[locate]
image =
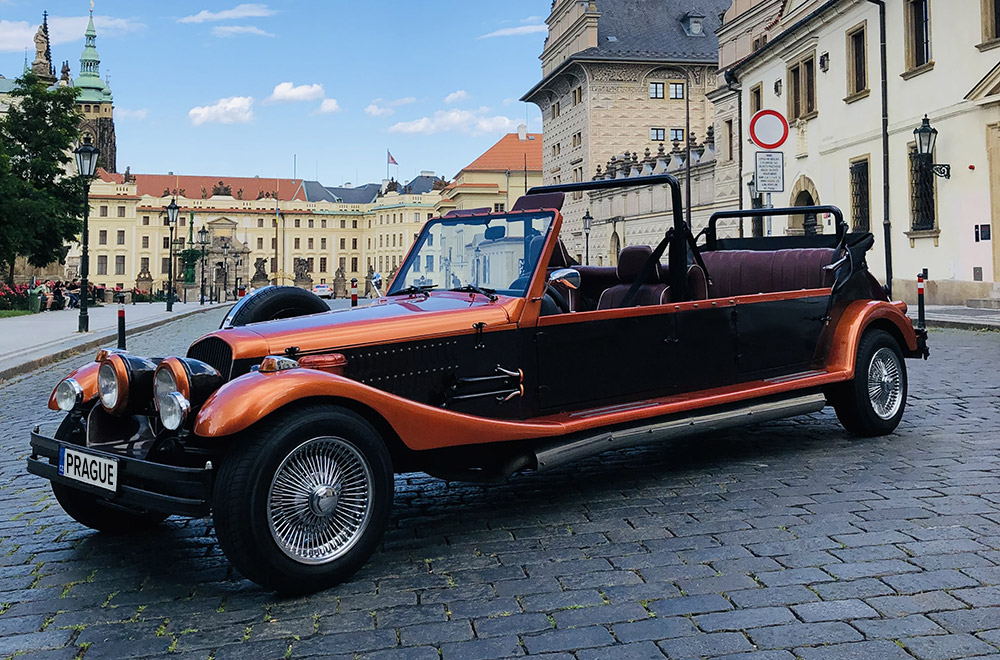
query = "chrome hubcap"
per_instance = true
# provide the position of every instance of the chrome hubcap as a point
(885, 383)
(320, 501)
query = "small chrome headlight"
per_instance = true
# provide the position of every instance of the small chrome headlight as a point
(164, 384)
(68, 395)
(107, 386)
(174, 409)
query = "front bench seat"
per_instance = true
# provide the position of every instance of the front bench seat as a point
(631, 261)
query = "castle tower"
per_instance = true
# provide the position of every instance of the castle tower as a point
(95, 101)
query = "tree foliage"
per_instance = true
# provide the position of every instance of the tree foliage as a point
(42, 198)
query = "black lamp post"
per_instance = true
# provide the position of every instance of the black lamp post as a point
(588, 221)
(926, 137)
(225, 270)
(172, 211)
(86, 166)
(202, 242)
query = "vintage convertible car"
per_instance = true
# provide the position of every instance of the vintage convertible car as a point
(491, 352)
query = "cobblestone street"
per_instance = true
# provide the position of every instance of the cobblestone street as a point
(788, 539)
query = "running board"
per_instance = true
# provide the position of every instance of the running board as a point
(557, 453)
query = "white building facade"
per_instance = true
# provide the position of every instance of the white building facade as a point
(821, 69)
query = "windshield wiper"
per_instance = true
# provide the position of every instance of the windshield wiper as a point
(472, 288)
(423, 288)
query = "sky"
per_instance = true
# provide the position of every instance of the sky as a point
(317, 88)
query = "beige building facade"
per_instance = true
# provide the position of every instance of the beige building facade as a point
(821, 69)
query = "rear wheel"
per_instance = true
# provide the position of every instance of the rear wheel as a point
(305, 499)
(872, 403)
(95, 512)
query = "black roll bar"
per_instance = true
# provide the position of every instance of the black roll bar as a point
(710, 233)
(678, 245)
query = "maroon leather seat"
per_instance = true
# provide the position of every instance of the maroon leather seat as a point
(748, 272)
(652, 291)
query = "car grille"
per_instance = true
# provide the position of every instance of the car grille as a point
(215, 352)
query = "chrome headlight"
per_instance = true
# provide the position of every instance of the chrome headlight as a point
(193, 379)
(164, 384)
(174, 409)
(125, 384)
(109, 387)
(68, 395)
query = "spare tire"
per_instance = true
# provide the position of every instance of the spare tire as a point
(274, 302)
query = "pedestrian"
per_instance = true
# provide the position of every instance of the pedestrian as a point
(73, 293)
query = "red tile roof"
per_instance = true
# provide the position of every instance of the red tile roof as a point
(159, 185)
(509, 154)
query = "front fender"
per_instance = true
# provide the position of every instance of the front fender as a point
(86, 376)
(246, 400)
(857, 318)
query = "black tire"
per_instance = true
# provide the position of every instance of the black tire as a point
(274, 302)
(96, 513)
(866, 414)
(242, 504)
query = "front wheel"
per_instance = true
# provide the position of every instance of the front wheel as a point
(304, 501)
(872, 403)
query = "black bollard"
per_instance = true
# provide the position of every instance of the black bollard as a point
(921, 321)
(121, 327)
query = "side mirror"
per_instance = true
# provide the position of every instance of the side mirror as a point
(377, 284)
(568, 277)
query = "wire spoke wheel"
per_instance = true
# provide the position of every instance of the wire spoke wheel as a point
(885, 383)
(320, 500)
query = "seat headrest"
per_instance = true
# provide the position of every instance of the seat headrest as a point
(539, 201)
(631, 261)
(535, 248)
(560, 256)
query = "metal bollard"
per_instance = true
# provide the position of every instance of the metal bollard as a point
(354, 292)
(921, 321)
(121, 326)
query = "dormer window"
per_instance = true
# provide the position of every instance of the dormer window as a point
(693, 24)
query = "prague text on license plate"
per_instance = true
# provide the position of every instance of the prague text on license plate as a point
(89, 469)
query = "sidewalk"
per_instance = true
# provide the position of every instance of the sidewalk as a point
(28, 342)
(965, 318)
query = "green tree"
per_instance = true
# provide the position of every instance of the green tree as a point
(43, 199)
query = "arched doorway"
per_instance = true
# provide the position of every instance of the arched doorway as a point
(804, 193)
(807, 220)
(614, 249)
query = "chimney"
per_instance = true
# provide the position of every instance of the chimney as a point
(522, 132)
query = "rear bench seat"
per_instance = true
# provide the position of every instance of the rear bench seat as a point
(748, 272)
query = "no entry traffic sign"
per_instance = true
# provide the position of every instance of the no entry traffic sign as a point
(768, 129)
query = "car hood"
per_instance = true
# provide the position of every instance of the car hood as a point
(386, 320)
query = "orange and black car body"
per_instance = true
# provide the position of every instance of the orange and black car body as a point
(474, 380)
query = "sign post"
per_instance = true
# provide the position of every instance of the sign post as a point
(769, 130)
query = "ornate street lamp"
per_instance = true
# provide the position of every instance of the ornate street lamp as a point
(225, 270)
(86, 166)
(172, 211)
(926, 137)
(588, 220)
(203, 243)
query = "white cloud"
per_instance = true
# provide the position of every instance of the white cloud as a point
(516, 31)
(249, 10)
(230, 110)
(375, 110)
(532, 19)
(477, 122)
(382, 108)
(125, 113)
(15, 36)
(288, 91)
(225, 31)
(454, 97)
(329, 106)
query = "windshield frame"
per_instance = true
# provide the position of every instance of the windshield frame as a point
(471, 220)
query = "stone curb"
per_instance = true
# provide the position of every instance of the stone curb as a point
(962, 325)
(96, 342)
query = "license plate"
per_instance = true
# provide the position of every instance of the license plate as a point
(89, 469)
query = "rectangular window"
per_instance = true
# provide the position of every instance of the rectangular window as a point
(343, 262)
(857, 60)
(120, 264)
(354, 224)
(298, 223)
(144, 265)
(102, 237)
(756, 99)
(429, 262)
(577, 95)
(991, 20)
(343, 244)
(121, 211)
(676, 90)
(354, 264)
(166, 242)
(322, 264)
(260, 243)
(260, 222)
(860, 196)
(556, 149)
(354, 244)
(802, 88)
(343, 224)
(309, 243)
(922, 215)
(729, 139)
(104, 211)
(555, 110)
(164, 265)
(310, 223)
(578, 139)
(310, 263)
(274, 243)
(298, 243)
(274, 265)
(322, 244)
(121, 237)
(145, 220)
(145, 242)
(658, 134)
(656, 90)
(498, 207)
(676, 134)
(102, 264)
(759, 42)
(322, 223)
(918, 33)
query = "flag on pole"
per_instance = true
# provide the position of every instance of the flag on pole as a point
(390, 160)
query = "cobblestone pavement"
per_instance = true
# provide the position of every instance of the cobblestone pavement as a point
(784, 540)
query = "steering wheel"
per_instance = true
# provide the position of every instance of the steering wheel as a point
(558, 299)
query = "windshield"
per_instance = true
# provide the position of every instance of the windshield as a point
(496, 254)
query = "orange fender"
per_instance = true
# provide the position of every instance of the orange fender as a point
(86, 376)
(858, 316)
